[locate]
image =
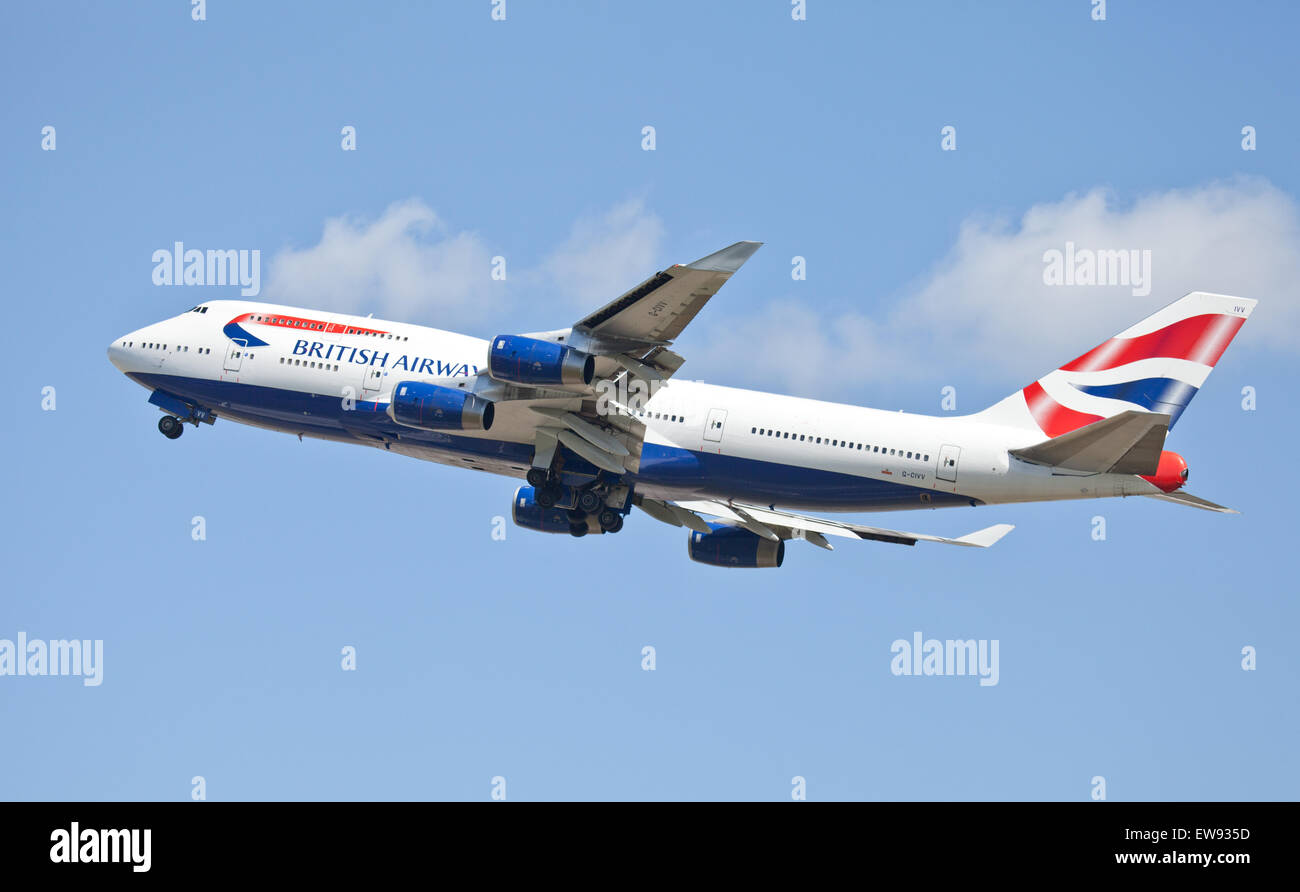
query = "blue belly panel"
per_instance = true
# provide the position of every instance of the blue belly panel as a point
(691, 473)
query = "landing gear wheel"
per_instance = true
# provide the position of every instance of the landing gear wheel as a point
(536, 477)
(588, 502)
(548, 495)
(578, 530)
(576, 517)
(610, 521)
(171, 427)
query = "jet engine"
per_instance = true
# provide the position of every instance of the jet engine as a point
(732, 546)
(434, 408)
(532, 516)
(521, 360)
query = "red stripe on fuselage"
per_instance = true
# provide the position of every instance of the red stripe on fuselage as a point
(1052, 418)
(302, 323)
(1198, 339)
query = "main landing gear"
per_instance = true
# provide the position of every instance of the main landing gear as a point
(584, 505)
(171, 427)
(589, 505)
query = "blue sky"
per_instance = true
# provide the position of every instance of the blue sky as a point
(522, 658)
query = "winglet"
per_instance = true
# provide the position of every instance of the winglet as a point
(729, 259)
(987, 536)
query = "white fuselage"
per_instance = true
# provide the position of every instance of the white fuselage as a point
(331, 375)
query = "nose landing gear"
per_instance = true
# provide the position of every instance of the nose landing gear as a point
(171, 427)
(176, 412)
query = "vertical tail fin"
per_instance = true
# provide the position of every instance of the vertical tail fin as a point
(1156, 365)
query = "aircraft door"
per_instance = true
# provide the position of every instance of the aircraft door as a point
(714, 425)
(235, 355)
(370, 383)
(948, 457)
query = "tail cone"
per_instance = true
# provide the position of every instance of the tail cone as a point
(1170, 474)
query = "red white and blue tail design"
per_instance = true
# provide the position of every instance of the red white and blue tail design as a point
(1157, 365)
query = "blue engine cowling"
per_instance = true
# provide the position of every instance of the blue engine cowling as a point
(523, 360)
(435, 408)
(532, 516)
(729, 546)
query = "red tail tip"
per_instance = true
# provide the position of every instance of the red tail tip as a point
(1170, 474)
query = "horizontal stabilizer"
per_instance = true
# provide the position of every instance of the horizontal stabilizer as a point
(798, 526)
(1186, 498)
(1127, 443)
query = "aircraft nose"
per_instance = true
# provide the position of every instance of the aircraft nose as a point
(117, 353)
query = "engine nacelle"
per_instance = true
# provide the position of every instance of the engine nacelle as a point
(731, 546)
(532, 516)
(435, 408)
(521, 360)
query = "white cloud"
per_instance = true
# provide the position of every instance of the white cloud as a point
(605, 255)
(404, 265)
(984, 305)
(407, 264)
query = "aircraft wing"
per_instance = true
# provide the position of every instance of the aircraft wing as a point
(777, 525)
(628, 339)
(633, 332)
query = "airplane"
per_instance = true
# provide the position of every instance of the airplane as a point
(590, 417)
